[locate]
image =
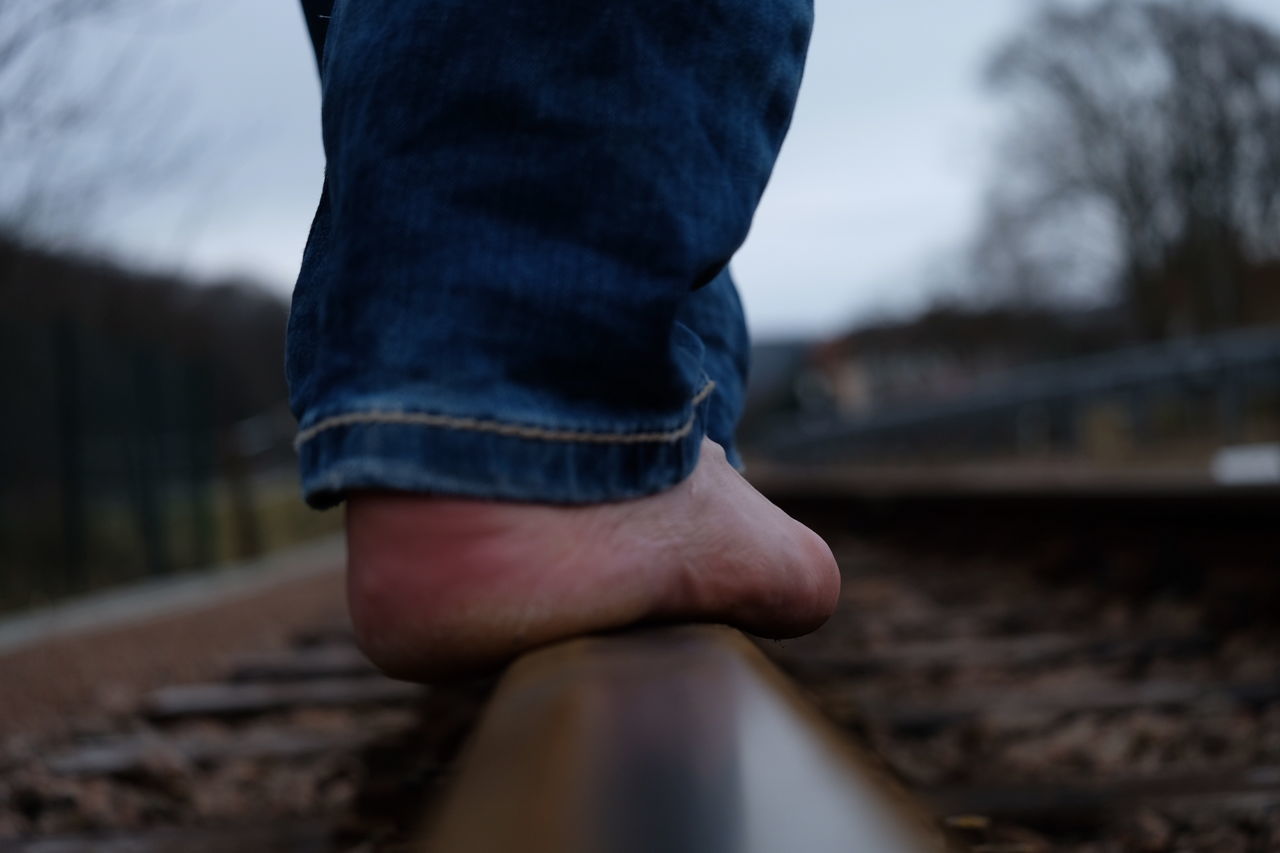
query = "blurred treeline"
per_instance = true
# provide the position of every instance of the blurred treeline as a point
(1134, 191)
(1132, 208)
(145, 424)
(1140, 166)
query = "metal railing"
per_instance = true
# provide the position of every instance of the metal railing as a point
(1043, 405)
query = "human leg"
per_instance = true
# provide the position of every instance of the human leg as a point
(499, 317)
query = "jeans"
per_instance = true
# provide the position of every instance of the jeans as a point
(516, 285)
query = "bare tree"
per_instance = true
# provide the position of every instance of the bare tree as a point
(1146, 154)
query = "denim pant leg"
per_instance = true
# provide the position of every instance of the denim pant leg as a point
(714, 314)
(514, 287)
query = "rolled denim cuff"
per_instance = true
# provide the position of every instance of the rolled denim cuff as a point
(493, 460)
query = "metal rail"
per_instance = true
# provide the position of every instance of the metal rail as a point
(670, 739)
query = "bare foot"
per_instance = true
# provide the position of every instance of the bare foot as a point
(443, 585)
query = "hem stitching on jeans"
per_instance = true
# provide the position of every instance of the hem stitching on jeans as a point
(376, 418)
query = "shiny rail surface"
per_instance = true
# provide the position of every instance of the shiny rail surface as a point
(668, 739)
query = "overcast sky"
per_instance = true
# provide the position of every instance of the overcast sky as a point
(879, 181)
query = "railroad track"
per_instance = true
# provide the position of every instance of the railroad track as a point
(1039, 671)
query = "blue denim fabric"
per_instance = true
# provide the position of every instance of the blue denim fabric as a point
(516, 283)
